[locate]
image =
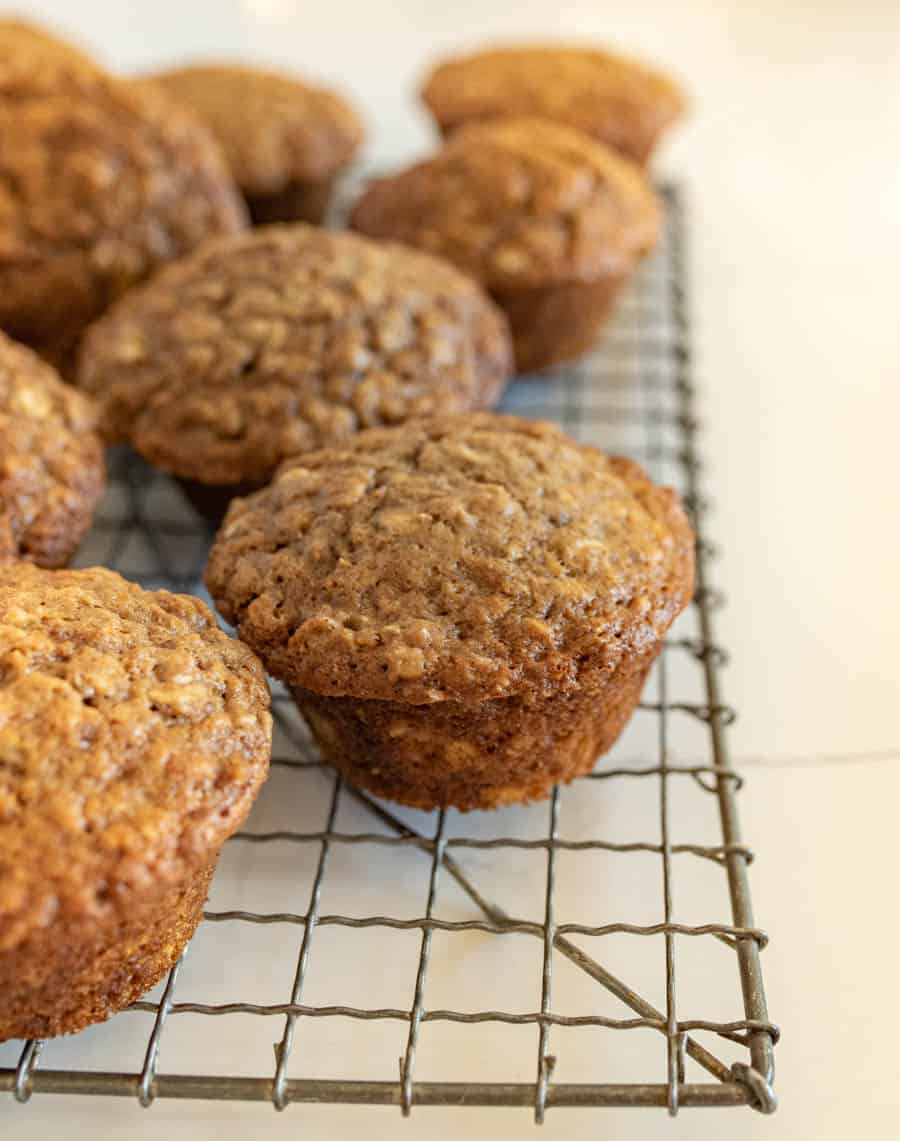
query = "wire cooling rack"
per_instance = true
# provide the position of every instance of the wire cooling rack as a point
(566, 911)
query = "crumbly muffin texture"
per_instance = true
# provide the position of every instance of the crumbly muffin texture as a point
(519, 203)
(51, 461)
(282, 340)
(462, 558)
(273, 128)
(135, 735)
(617, 100)
(99, 184)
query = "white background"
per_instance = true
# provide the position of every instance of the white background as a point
(791, 162)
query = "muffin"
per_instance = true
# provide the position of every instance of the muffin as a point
(465, 608)
(136, 735)
(99, 184)
(284, 141)
(51, 461)
(16, 35)
(616, 100)
(551, 223)
(283, 340)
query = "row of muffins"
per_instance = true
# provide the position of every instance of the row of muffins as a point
(538, 193)
(464, 605)
(465, 610)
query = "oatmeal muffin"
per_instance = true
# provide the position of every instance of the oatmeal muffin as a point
(616, 100)
(280, 341)
(465, 608)
(135, 737)
(51, 461)
(285, 141)
(99, 184)
(551, 223)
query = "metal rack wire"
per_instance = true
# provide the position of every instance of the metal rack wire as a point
(635, 393)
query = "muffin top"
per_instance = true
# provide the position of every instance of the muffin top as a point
(99, 183)
(518, 203)
(51, 462)
(16, 35)
(284, 339)
(619, 101)
(459, 558)
(135, 735)
(274, 129)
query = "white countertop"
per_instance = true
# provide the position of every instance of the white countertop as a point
(790, 163)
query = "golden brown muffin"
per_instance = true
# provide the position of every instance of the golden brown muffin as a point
(99, 184)
(284, 141)
(135, 736)
(17, 35)
(616, 100)
(51, 460)
(282, 340)
(551, 223)
(465, 608)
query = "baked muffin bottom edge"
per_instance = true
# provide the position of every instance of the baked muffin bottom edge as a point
(474, 756)
(71, 974)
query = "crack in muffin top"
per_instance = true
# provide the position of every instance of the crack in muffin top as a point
(99, 183)
(134, 735)
(518, 203)
(51, 461)
(286, 339)
(273, 128)
(461, 558)
(618, 100)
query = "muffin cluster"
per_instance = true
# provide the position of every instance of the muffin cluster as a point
(539, 191)
(464, 605)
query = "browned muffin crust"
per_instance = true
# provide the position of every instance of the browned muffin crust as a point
(518, 203)
(282, 340)
(51, 460)
(135, 737)
(617, 100)
(476, 755)
(99, 184)
(94, 969)
(465, 609)
(274, 129)
(17, 35)
(462, 558)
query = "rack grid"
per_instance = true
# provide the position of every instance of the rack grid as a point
(634, 394)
